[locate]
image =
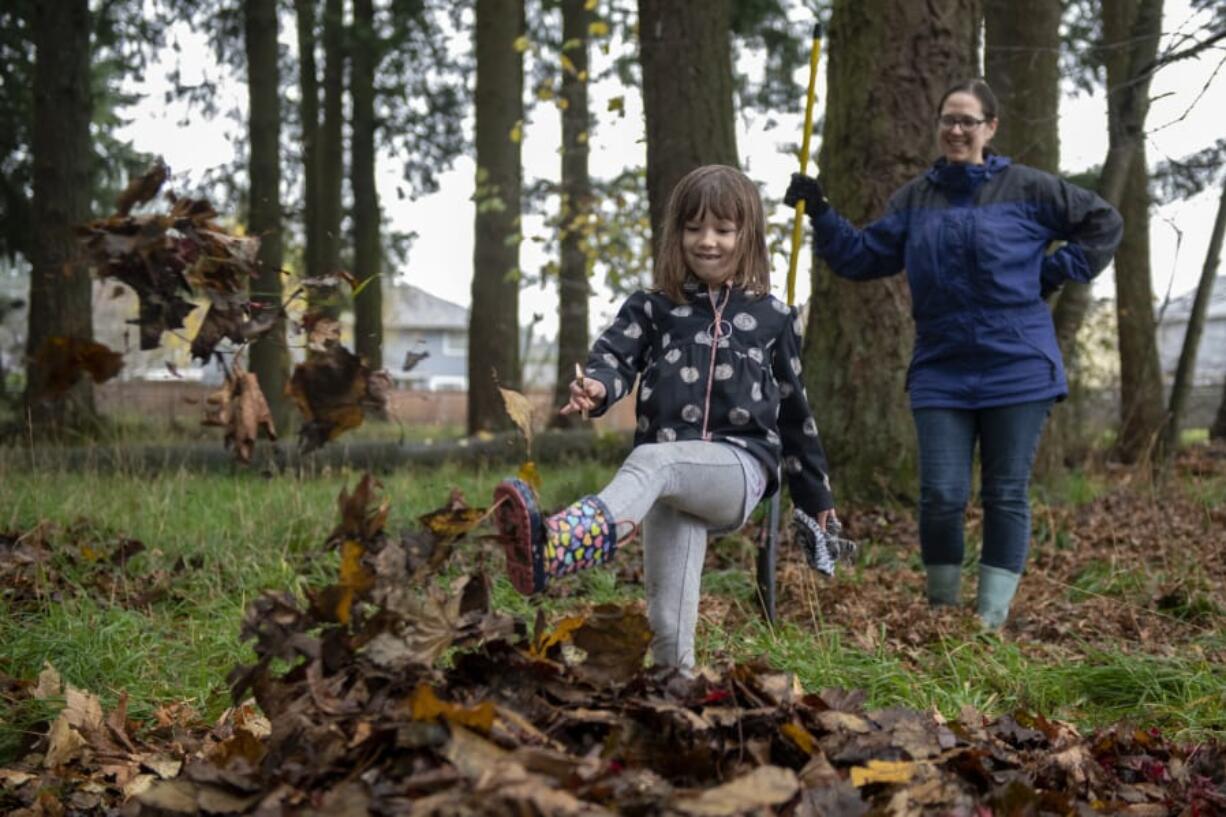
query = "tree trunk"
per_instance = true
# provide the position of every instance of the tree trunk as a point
(1142, 413)
(1217, 431)
(269, 354)
(60, 295)
(1022, 64)
(308, 81)
(493, 330)
(1185, 371)
(576, 208)
(686, 58)
(331, 147)
(368, 302)
(890, 60)
(1127, 107)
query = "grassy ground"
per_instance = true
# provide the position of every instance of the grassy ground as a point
(1120, 617)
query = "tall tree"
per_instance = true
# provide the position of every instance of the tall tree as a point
(1142, 413)
(493, 335)
(1022, 64)
(1127, 107)
(1186, 368)
(331, 143)
(1217, 431)
(367, 252)
(879, 133)
(686, 59)
(576, 204)
(270, 353)
(306, 13)
(60, 296)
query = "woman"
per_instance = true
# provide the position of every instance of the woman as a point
(973, 233)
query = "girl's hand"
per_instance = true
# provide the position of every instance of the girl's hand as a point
(825, 517)
(586, 394)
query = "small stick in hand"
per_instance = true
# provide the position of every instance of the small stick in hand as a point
(582, 386)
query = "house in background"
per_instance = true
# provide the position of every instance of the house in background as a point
(1211, 354)
(417, 323)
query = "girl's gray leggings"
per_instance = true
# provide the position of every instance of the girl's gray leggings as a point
(679, 491)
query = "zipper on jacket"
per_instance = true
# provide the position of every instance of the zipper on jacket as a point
(715, 335)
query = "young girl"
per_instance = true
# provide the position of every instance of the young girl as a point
(721, 407)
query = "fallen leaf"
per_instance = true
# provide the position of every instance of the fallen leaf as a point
(882, 771)
(762, 788)
(426, 705)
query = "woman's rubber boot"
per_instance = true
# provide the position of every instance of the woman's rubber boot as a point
(944, 585)
(996, 589)
(537, 549)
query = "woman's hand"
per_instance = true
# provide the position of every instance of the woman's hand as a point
(809, 190)
(586, 394)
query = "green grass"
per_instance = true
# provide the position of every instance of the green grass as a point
(244, 534)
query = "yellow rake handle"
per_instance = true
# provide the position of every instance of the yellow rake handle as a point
(798, 222)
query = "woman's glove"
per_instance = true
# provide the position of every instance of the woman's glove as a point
(823, 549)
(809, 190)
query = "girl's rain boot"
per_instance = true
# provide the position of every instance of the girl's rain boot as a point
(996, 589)
(944, 585)
(537, 549)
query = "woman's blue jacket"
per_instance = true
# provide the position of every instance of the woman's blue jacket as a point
(976, 243)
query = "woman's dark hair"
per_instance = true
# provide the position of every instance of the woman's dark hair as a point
(977, 88)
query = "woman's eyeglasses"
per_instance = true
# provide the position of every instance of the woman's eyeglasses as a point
(950, 121)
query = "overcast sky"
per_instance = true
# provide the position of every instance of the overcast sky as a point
(441, 258)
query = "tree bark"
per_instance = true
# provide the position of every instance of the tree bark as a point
(686, 58)
(60, 294)
(1127, 107)
(368, 302)
(308, 81)
(576, 208)
(331, 146)
(493, 334)
(1217, 431)
(1022, 64)
(890, 60)
(1142, 413)
(1185, 371)
(269, 354)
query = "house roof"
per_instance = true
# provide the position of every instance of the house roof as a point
(410, 307)
(1179, 309)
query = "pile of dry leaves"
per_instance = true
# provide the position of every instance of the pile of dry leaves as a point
(385, 693)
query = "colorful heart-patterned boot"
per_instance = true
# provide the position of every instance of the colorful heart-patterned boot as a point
(580, 536)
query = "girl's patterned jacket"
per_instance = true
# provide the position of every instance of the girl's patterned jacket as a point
(722, 366)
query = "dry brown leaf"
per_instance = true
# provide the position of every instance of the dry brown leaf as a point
(143, 188)
(63, 360)
(426, 705)
(528, 474)
(520, 410)
(64, 743)
(882, 771)
(762, 788)
(49, 683)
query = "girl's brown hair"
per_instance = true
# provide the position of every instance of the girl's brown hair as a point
(726, 193)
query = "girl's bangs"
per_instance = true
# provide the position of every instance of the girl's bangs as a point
(714, 195)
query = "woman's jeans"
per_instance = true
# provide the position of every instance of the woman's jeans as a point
(1008, 438)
